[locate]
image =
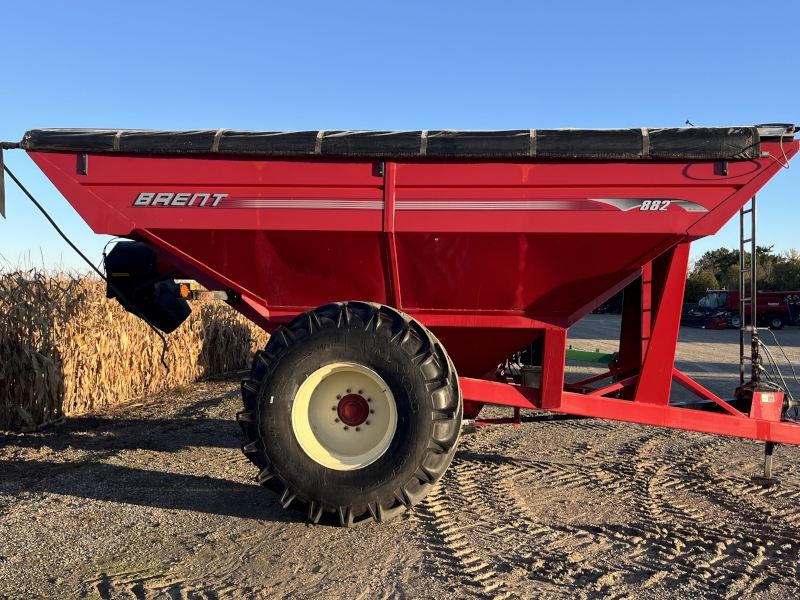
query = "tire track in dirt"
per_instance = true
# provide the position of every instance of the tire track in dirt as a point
(670, 539)
(454, 508)
(538, 549)
(682, 538)
(752, 557)
(565, 556)
(530, 550)
(676, 543)
(137, 586)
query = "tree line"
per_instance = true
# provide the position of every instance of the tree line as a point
(719, 268)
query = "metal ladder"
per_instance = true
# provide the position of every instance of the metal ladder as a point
(767, 479)
(752, 298)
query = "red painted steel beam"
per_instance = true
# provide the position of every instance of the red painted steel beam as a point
(584, 382)
(615, 386)
(698, 390)
(389, 177)
(680, 418)
(482, 320)
(553, 360)
(669, 278)
(503, 394)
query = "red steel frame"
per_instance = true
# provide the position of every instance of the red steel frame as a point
(653, 275)
(644, 374)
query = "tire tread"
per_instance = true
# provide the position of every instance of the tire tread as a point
(422, 349)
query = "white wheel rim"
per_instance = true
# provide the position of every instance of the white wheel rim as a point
(353, 393)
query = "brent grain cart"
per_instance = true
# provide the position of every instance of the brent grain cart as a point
(397, 270)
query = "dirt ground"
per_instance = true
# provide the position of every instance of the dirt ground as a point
(155, 500)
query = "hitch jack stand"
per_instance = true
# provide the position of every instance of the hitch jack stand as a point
(767, 480)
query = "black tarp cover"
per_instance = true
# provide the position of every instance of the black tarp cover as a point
(693, 143)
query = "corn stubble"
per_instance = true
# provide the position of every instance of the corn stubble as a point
(66, 350)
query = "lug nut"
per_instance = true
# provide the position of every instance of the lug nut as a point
(372, 411)
(366, 422)
(339, 397)
(336, 420)
(346, 428)
(333, 408)
(358, 428)
(369, 399)
(348, 390)
(360, 391)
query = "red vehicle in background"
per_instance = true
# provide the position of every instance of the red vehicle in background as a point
(773, 309)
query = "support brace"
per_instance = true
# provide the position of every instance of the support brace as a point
(767, 480)
(644, 374)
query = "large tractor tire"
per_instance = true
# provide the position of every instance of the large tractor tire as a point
(352, 413)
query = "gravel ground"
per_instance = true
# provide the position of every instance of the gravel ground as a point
(154, 500)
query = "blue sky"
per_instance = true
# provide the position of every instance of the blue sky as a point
(398, 65)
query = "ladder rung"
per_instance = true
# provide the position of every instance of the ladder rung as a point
(747, 240)
(745, 270)
(749, 210)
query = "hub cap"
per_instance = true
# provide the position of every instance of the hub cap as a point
(353, 410)
(344, 416)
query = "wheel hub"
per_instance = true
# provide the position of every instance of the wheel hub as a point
(344, 416)
(353, 410)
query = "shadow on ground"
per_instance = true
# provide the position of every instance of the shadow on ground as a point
(75, 458)
(156, 489)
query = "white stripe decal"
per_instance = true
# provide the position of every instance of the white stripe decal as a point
(626, 204)
(481, 205)
(302, 203)
(459, 204)
(496, 205)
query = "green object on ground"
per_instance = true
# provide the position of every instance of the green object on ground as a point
(587, 356)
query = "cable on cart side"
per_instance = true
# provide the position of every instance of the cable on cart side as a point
(77, 250)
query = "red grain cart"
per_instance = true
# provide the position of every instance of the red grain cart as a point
(397, 270)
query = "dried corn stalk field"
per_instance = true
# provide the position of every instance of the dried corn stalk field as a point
(65, 349)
